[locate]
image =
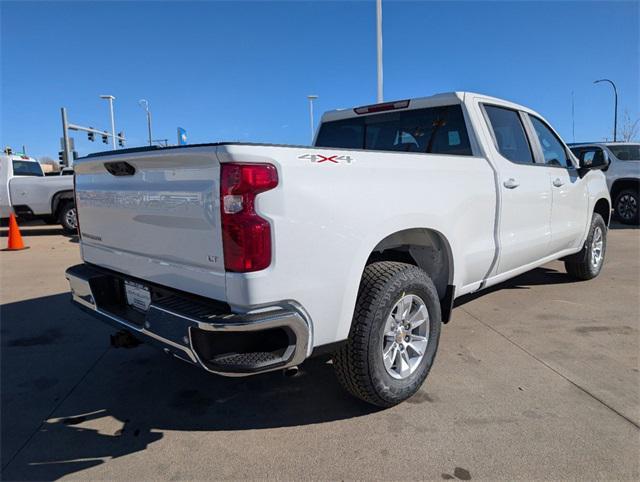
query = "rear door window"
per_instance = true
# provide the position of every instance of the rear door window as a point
(435, 130)
(509, 134)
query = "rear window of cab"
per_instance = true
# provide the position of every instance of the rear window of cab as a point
(26, 168)
(434, 130)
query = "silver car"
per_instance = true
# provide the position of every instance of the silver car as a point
(623, 174)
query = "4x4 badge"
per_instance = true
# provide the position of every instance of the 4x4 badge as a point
(319, 158)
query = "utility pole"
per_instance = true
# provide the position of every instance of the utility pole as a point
(615, 108)
(573, 117)
(379, 47)
(67, 156)
(111, 98)
(67, 142)
(145, 105)
(311, 99)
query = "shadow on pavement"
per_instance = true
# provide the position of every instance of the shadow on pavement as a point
(73, 238)
(124, 402)
(35, 232)
(617, 225)
(535, 277)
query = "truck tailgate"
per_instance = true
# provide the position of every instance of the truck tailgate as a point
(154, 216)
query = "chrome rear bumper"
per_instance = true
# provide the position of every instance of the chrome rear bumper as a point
(189, 330)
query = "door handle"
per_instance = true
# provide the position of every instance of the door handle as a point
(557, 182)
(511, 183)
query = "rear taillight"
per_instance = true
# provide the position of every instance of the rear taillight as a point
(75, 201)
(246, 237)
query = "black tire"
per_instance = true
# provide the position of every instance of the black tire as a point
(627, 206)
(64, 218)
(359, 363)
(581, 265)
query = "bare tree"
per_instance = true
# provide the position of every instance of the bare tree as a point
(630, 128)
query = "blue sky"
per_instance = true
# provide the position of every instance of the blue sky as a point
(242, 70)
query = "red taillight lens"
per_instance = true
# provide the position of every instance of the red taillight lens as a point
(75, 201)
(246, 237)
(370, 109)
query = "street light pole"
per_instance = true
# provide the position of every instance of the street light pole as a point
(67, 156)
(111, 98)
(379, 47)
(615, 111)
(311, 99)
(145, 105)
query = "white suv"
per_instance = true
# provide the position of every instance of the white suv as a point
(623, 174)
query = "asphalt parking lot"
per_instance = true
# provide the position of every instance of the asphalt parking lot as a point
(536, 378)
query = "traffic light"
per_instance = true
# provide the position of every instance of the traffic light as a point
(61, 155)
(121, 139)
(105, 139)
(91, 136)
(75, 155)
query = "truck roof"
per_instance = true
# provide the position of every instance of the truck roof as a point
(446, 98)
(602, 143)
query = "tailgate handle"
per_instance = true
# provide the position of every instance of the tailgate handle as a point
(120, 168)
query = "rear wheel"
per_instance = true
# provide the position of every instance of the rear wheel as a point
(68, 218)
(587, 264)
(394, 335)
(627, 206)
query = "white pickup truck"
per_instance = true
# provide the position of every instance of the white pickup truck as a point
(245, 258)
(29, 194)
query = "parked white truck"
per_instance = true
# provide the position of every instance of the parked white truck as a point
(245, 258)
(29, 194)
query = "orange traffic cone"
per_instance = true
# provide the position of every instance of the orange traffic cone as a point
(15, 238)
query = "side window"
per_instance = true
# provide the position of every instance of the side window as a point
(552, 149)
(509, 133)
(626, 152)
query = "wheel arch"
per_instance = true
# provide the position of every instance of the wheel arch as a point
(59, 199)
(623, 183)
(603, 208)
(427, 249)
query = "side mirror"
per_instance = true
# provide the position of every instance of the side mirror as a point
(594, 160)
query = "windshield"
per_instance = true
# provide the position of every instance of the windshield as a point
(438, 130)
(26, 168)
(626, 152)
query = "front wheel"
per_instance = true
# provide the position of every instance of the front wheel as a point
(68, 218)
(627, 206)
(587, 263)
(394, 334)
